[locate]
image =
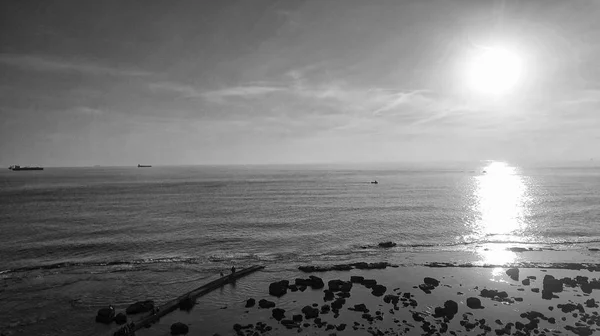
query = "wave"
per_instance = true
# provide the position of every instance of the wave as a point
(284, 257)
(486, 241)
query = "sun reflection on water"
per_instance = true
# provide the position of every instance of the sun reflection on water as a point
(501, 205)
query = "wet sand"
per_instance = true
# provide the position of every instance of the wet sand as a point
(509, 306)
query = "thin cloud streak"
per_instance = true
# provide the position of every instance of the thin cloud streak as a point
(45, 63)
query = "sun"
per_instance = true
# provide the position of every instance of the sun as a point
(494, 70)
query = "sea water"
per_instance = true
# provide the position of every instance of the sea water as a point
(76, 239)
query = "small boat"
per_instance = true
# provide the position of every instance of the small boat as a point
(144, 166)
(374, 182)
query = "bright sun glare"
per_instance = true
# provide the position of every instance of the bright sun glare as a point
(494, 71)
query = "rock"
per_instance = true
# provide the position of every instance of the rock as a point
(357, 279)
(551, 284)
(451, 308)
(535, 290)
(121, 318)
(431, 281)
(187, 303)
(250, 303)
(337, 304)
(297, 318)
(316, 282)
(387, 244)
(328, 295)
(474, 303)
(179, 328)
(140, 307)
(312, 281)
(278, 288)
(427, 288)
(378, 290)
(369, 283)
(513, 273)
(278, 314)
(341, 267)
(526, 282)
(390, 298)
(339, 285)
(341, 327)
(591, 303)
(266, 304)
(547, 295)
(360, 308)
(105, 315)
(379, 265)
(293, 288)
(310, 312)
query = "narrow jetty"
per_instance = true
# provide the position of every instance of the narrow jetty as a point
(129, 329)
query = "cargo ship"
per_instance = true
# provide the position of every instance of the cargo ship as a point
(17, 167)
(144, 166)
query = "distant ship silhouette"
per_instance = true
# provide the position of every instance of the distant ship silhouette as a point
(144, 166)
(17, 167)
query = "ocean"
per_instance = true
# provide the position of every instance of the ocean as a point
(76, 239)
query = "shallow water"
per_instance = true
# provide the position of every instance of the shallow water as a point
(74, 239)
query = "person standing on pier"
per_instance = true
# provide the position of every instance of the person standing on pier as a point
(232, 270)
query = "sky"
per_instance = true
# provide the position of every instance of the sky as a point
(265, 81)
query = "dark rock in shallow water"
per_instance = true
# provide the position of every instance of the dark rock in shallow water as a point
(338, 303)
(526, 282)
(449, 310)
(387, 244)
(391, 298)
(105, 315)
(547, 295)
(312, 281)
(426, 288)
(250, 303)
(552, 285)
(357, 279)
(310, 312)
(474, 303)
(431, 281)
(369, 283)
(591, 303)
(179, 328)
(140, 307)
(378, 265)
(328, 295)
(121, 318)
(360, 308)
(492, 293)
(378, 290)
(266, 304)
(339, 285)
(297, 318)
(278, 314)
(513, 273)
(278, 288)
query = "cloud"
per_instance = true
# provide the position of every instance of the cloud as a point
(45, 63)
(186, 91)
(243, 91)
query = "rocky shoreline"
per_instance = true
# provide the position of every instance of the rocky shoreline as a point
(403, 312)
